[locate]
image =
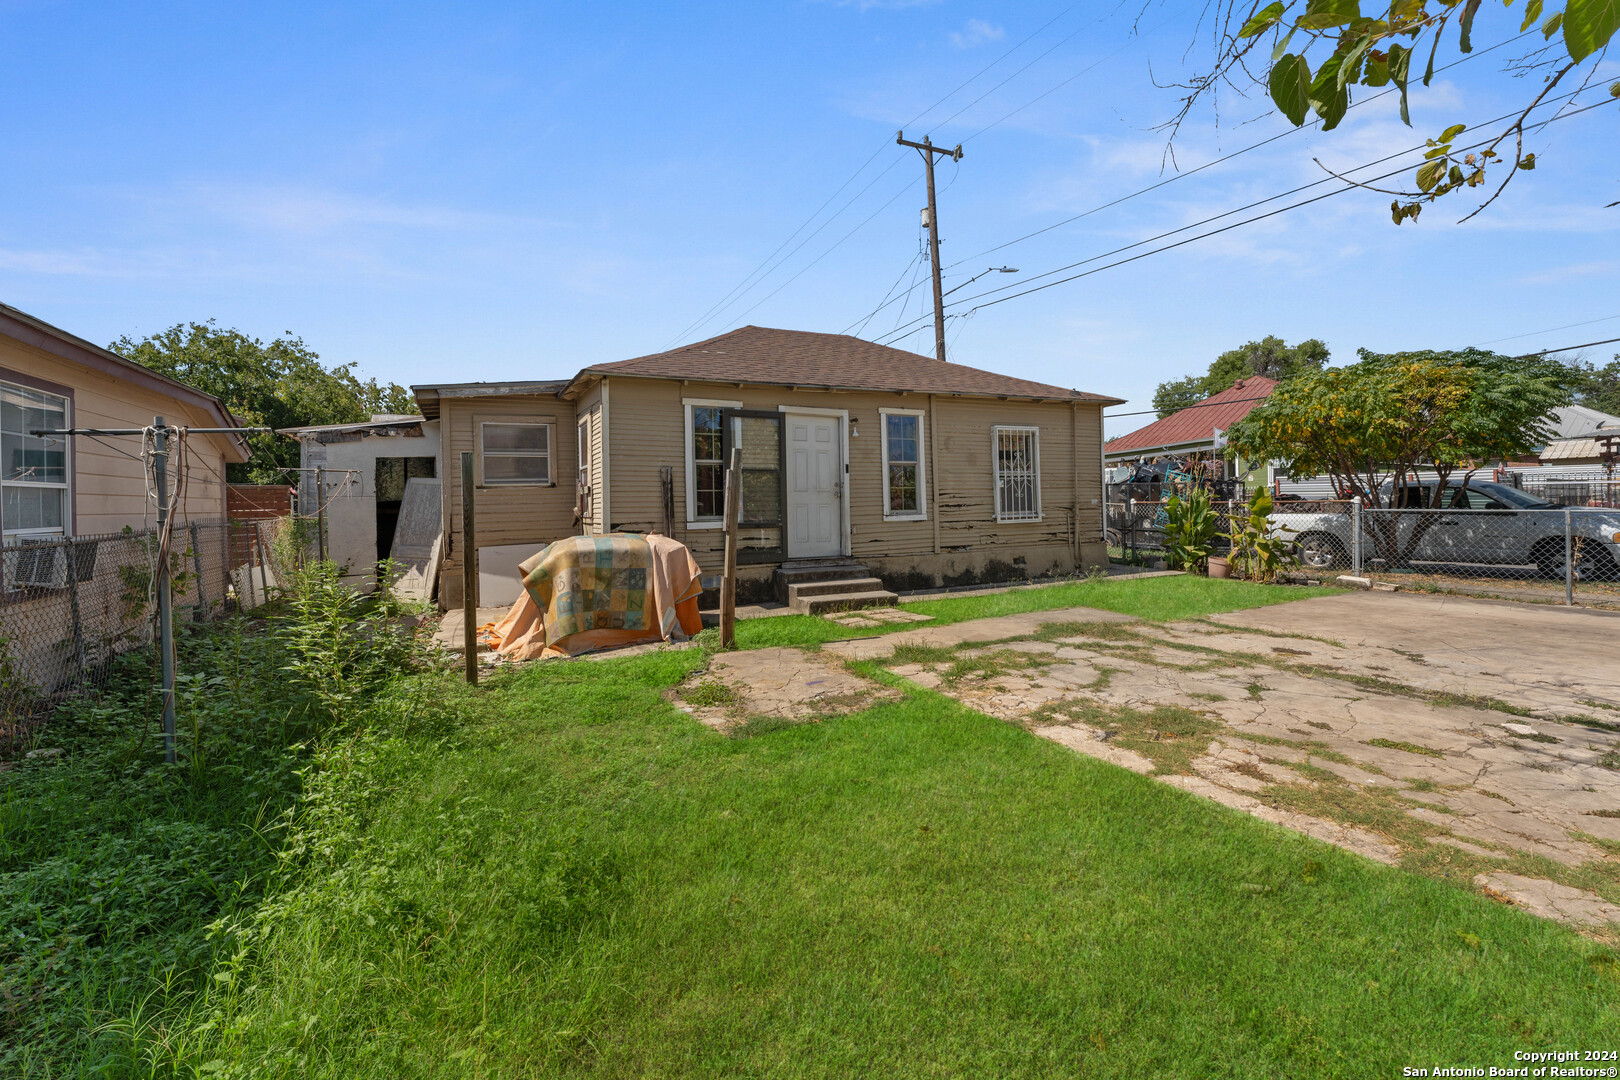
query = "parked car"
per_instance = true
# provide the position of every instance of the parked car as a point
(1482, 524)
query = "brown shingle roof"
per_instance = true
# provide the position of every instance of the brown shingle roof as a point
(1197, 423)
(758, 354)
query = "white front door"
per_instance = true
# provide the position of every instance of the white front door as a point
(815, 487)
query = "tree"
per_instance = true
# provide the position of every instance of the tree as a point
(1372, 425)
(278, 385)
(1376, 51)
(1599, 387)
(1270, 356)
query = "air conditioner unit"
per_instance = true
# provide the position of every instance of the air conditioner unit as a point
(40, 564)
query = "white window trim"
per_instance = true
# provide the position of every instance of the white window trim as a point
(921, 513)
(692, 520)
(550, 455)
(66, 487)
(995, 472)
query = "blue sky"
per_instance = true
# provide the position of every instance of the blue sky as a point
(484, 191)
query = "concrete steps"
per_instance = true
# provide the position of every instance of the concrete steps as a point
(835, 585)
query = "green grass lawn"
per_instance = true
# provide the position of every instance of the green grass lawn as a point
(587, 882)
(1161, 598)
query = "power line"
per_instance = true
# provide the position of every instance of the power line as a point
(1184, 408)
(1247, 221)
(1180, 175)
(1549, 330)
(742, 287)
(836, 244)
(1572, 348)
(1208, 164)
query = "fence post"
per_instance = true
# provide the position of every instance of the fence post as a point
(264, 564)
(1355, 536)
(73, 603)
(1130, 523)
(199, 609)
(226, 581)
(320, 510)
(469, 570)
(1569, 559)
(728, 581)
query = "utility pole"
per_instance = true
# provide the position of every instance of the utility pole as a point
(928, 150)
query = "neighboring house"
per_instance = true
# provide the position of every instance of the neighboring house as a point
(1198, 431)
(80, 486)
(1574, 421)
(366, 466)
(925, 472)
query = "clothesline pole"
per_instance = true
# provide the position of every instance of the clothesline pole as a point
(469, 571)
(728, 583)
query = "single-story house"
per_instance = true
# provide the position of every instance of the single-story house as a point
(365, 468)
(920, 471)
(51, 487)
(1198, 431)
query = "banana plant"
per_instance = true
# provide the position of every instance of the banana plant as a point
(1260, 548)
(1189, 530)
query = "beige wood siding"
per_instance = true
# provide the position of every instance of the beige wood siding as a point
(108, 484)
(515, 513)
(646, 432)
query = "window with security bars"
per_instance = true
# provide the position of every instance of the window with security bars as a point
(1018, 473)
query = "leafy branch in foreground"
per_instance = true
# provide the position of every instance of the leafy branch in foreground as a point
(1352, 49)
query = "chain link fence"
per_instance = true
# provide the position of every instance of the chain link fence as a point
(1550, 554)
(69, 606)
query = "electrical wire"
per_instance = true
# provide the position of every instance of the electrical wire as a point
(836, 244)
(1226, 228)
(1572, 348)
(1180, 175)
(1549, 330)
(1209, 164)
(749, 282)
(1235, 401)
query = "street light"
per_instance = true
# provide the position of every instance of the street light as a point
(976, 277)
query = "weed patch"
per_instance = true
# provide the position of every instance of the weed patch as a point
(1410, 748)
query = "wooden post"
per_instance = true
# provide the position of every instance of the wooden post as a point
(469, 570)
(320, 511)
(728, 582)
(199, 610)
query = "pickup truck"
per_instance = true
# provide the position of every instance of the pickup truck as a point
(1485, 526)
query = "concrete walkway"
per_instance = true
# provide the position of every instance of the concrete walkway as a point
(1473, 739)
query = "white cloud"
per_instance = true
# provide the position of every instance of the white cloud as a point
(977, 32)
(1575, 270)
(311, 211)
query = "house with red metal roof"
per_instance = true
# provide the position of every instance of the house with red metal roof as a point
(1195, 430)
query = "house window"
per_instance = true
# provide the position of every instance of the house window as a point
(904, 486)
(515, 453)
(33, 470)
(705, 461)
(709, 479)
(1018, 473)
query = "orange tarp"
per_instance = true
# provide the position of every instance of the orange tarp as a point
(585, 593)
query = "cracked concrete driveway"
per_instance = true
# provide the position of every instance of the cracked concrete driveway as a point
(1476, 740)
